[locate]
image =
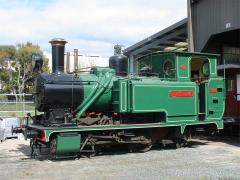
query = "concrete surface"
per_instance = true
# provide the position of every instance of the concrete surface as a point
(205, 159)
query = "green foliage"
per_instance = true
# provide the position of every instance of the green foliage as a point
(7, 52)
(15, 67)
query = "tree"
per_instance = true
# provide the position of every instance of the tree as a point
(15, 67)
(7, 54)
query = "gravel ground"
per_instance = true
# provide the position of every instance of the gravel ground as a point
(205, 159)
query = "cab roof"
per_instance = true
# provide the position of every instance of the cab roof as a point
(183, 53)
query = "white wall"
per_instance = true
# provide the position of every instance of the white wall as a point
(87, 61)
(83, 61)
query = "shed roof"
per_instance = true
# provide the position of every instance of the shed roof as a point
(173, 38)
(189, 54)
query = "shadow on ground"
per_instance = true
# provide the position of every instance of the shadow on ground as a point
(234, 141)
(106, 151)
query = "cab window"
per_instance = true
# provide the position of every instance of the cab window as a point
(200, 69)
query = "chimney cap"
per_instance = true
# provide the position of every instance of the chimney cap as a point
(58, 41)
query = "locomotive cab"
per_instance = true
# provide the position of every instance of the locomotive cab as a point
(197, 70)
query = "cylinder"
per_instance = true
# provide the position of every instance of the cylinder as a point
(58, 48)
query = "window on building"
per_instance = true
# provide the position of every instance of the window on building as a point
(230, 85)
(231, 54)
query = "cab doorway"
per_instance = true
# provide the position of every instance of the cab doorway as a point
(199, 69)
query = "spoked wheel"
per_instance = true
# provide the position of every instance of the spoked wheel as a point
(94, 151)
(53, 148)
(181, 141)
(144, 147)
(141, 147)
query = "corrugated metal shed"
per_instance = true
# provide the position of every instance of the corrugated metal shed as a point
(210, 17)
(215, 24)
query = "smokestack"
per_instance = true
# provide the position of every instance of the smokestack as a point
(75, 59)
(58, 48)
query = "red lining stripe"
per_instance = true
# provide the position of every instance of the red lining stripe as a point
(181, 94)
(183, 66)
(212, 90)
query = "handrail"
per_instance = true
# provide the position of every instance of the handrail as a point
(87, 99)
(94, 95)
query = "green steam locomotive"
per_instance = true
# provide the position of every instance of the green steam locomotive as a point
(172, 94)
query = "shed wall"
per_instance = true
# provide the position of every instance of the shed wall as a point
(211, 17)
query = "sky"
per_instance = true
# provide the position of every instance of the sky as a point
(92, 26)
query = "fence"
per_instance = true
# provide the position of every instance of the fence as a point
(16, 104)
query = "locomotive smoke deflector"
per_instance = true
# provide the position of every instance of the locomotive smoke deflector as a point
(58, 49)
